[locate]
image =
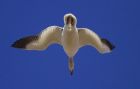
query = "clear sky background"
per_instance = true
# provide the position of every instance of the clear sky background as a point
(116, 20)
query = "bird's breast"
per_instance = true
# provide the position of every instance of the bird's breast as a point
(70, 41)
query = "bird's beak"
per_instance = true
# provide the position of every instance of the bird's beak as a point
(71, 65)
(71, 72)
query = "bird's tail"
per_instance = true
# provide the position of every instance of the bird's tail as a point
(71, 65)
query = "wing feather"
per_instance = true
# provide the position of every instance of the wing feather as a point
(47, 37)
(88, 37)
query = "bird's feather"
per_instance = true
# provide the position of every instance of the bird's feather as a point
(88, 37)
(47, 37)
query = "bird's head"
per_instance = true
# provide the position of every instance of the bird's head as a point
(70, 19)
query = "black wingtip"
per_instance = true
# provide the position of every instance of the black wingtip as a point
(109, 44)
(18, 44)
(13, 45)
(22, 43)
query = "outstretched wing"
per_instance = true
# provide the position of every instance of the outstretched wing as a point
(88, 37)
(47, 37)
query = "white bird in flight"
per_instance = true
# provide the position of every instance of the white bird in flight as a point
(69, 37)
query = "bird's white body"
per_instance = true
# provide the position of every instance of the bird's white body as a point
(69, 36)
(70, 40)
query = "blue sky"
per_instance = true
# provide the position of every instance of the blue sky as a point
(116, 20)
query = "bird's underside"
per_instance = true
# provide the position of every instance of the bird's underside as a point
(47, 37)
(52, 35)
(56, 34)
